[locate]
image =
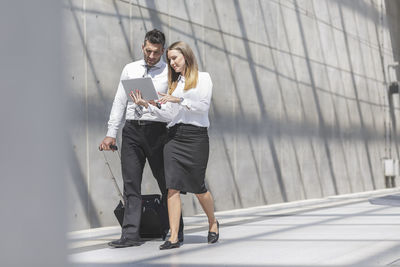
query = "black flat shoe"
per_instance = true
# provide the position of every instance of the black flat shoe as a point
(180, 231)
(124, 242)
(213, 236)
(180, 237)
(169, 245)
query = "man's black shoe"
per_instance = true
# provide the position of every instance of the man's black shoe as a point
(124, 242)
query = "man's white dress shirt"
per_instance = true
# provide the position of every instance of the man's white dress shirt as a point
(137, 69)
(193, 109)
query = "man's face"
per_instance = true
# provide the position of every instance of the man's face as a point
(152, 53)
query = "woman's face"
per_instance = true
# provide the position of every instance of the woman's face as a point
(177, 61)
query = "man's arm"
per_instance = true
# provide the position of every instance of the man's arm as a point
(116, 115)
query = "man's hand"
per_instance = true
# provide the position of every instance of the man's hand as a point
(105, 144)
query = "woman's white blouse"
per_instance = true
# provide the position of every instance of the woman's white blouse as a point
(193, 109)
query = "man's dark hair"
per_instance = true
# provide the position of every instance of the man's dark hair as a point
(155, 37)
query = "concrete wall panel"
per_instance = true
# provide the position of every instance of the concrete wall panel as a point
(299, 104)
(75, 83)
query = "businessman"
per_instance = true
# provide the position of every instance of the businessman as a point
(143, 136)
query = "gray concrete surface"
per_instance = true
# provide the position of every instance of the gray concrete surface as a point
(33, 101)
(300, 108)
(350, 230)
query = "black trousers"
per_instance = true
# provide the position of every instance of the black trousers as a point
(141, 140)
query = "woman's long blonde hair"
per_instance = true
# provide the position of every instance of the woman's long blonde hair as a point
(191, 67)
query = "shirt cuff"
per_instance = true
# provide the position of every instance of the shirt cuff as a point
(150, 109)
(147, 110)
(112, 133)
(186, 102)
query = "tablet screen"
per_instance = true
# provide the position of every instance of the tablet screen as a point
(144, 85)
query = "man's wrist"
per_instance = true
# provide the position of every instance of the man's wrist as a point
(112, 133)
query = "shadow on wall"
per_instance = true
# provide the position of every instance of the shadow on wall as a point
(393, 18)
(285, 128)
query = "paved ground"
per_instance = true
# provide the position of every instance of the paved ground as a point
(349, 230)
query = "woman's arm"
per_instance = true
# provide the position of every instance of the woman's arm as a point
(165, 111)
(204, 89)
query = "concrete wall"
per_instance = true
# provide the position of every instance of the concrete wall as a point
(300, 108)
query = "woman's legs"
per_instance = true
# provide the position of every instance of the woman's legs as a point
(207, 203)
(174, 213)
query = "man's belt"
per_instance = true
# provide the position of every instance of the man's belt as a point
(145, 123)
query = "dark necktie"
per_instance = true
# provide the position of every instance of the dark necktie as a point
(146, 74)
(139, 109)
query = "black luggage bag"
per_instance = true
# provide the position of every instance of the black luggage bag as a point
(154, 221)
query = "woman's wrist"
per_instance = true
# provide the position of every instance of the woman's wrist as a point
(175, 100)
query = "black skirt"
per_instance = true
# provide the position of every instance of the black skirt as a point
(186, 157)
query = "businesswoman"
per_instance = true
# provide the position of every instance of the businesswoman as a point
(186, 152)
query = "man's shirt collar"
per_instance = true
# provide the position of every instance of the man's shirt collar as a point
(158, 65)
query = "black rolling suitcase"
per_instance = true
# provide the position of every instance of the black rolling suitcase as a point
(154, 221)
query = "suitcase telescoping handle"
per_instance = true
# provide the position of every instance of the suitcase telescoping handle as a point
(112, 174)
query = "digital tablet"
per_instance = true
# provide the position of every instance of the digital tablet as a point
(144, 85)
